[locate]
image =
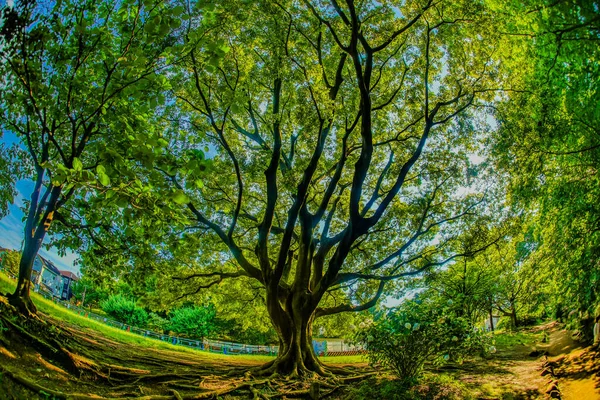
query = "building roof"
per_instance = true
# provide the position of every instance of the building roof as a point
(50, 266)
(70, 275)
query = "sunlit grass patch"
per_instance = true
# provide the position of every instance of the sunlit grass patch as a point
(506, 339)
(344, 359)
(62, 314)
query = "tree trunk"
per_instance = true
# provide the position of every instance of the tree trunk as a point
(491, 320)
(513, 317)
(20, 298)
(293, 324)
(36, 227)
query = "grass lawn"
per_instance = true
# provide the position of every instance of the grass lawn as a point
(508, 339)
(59, 312)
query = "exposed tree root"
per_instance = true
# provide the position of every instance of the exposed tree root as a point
(31, 385)
(357, 377)
(220, 392)
(176, 394)
(24, 305)
(110, 370)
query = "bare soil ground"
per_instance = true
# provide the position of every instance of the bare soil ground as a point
(48, 359)
(516, 373)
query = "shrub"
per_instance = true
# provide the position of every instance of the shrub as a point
(418, 331)
(9, 260)
(157, 323)
(124, 310)
(197, 322)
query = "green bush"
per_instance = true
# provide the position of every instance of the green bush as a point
(233, 330)
(9, 261)
(124, 310)
(157, 323)
(196, 322)
(418, 331)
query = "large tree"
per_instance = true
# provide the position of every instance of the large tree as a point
(315, 151)
(337, 137)
(71, 75)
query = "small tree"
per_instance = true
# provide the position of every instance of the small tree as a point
(72, 76)
(418, 331)
(125, 310)
(196, 322)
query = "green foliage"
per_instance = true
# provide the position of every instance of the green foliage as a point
(10, 261)
(94, 294)
(195, 322)
(125, 310)
(157, 323)
(10, 171)
(239, 331)
(418, 331)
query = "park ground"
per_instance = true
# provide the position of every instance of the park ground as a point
(62, 355)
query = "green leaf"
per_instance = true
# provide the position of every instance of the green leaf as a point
(103, 179)
(77, 165)
(180, 197)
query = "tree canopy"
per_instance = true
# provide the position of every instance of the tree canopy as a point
(308, 155)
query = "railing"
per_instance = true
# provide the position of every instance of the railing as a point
(322, 348)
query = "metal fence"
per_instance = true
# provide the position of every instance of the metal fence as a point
(322, 348)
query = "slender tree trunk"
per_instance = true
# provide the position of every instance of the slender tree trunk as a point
(513, 316)
(491, 320)
(35, 231)
(20, 298)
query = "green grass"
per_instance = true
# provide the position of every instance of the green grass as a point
(56, 311)
(344, 359)
(61, 313)
(506, 339)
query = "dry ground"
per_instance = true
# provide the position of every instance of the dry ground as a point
(514, 373)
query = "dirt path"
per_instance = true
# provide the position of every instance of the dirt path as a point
(515, 372)
(577, 368)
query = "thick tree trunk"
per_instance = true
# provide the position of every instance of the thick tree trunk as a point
(293, 324)
(20, 298)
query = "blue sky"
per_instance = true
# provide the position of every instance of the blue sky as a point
(12, 226)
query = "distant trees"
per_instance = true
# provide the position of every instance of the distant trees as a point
(196, 322)
(509, 278)
(548, 142)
